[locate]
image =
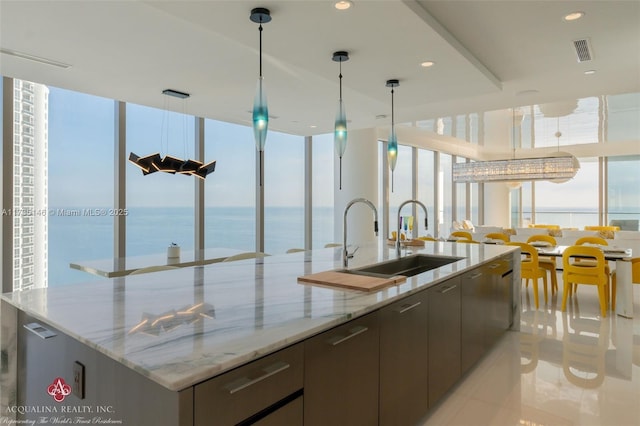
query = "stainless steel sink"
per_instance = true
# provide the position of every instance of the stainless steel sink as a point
(407, 266)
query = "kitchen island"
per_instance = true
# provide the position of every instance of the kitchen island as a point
(243, 341)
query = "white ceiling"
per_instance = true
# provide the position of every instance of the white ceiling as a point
(486, 52)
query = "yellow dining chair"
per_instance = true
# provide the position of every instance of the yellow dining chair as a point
(427, 239)
(580, 273)
(547, 262)
(462, 234)
(601, 242)
(498, 236)
(531, 270)
(635, 279)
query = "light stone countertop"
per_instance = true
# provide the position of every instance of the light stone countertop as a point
(251, 308)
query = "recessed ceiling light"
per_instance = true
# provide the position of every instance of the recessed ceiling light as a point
(427, 64)
(343, 4)
(34, 58)
(313, 126)
(589, 72)
(573, 16)
(527, 92)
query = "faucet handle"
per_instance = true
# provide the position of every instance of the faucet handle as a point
(350, 255)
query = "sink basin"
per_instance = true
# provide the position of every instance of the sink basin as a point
(407, 266)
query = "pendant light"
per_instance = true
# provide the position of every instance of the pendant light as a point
(340, 129)
(392, 143)
(260, 16)
(170, 164)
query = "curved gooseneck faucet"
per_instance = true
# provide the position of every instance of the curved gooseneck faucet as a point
(345, 253)
(426, 221)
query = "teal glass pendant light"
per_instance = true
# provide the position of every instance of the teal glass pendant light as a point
(392, 143)
(260, 15)
(340, 128)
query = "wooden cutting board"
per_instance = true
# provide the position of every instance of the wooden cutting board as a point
(351, 281)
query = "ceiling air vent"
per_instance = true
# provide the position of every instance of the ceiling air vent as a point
(583, 49)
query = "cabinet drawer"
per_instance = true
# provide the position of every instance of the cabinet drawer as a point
(341, 374)
(240, 393)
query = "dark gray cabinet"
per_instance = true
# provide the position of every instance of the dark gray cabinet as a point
(404, 396)
(444, 338)
(476, 300)
(486, 308)
(501, 278)
(342, 374)
(261, 390)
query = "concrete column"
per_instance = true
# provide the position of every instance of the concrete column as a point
(359, 180)
(497, 135)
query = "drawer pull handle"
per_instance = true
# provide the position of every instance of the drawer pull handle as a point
(245, 382)
(494, 265)
(474, 276)
(39, 330)
(354, 332)
(406, 308)
(446, 289)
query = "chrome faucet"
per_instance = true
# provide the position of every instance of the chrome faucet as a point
(345, 253)
(426, 221)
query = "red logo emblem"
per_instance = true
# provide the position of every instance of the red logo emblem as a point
(59, 389)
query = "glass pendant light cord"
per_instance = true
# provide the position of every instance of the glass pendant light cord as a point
(260, 32)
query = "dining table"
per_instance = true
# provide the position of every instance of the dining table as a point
(622, 258)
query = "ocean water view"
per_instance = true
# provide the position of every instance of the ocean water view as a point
(150, 230)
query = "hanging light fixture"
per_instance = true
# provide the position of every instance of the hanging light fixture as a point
(340, 129)
(558, 167)
(260, 15)
(170, 164)
(392, 143)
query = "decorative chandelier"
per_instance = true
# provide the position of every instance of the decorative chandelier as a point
(169, 164)
(564, 166)
(558, 167)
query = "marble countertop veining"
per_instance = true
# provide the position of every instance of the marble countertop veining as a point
(183, 326)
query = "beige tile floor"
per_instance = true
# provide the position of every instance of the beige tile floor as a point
(561, 368)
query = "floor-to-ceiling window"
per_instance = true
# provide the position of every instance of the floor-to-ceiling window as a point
(160, 205)
(426, 189)
(284, 193)
(461, 197)
(323, 187)
(572, 204)
(623, 175)
(401, 189)
(79, 182)
(230, 189)
(445, 202)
